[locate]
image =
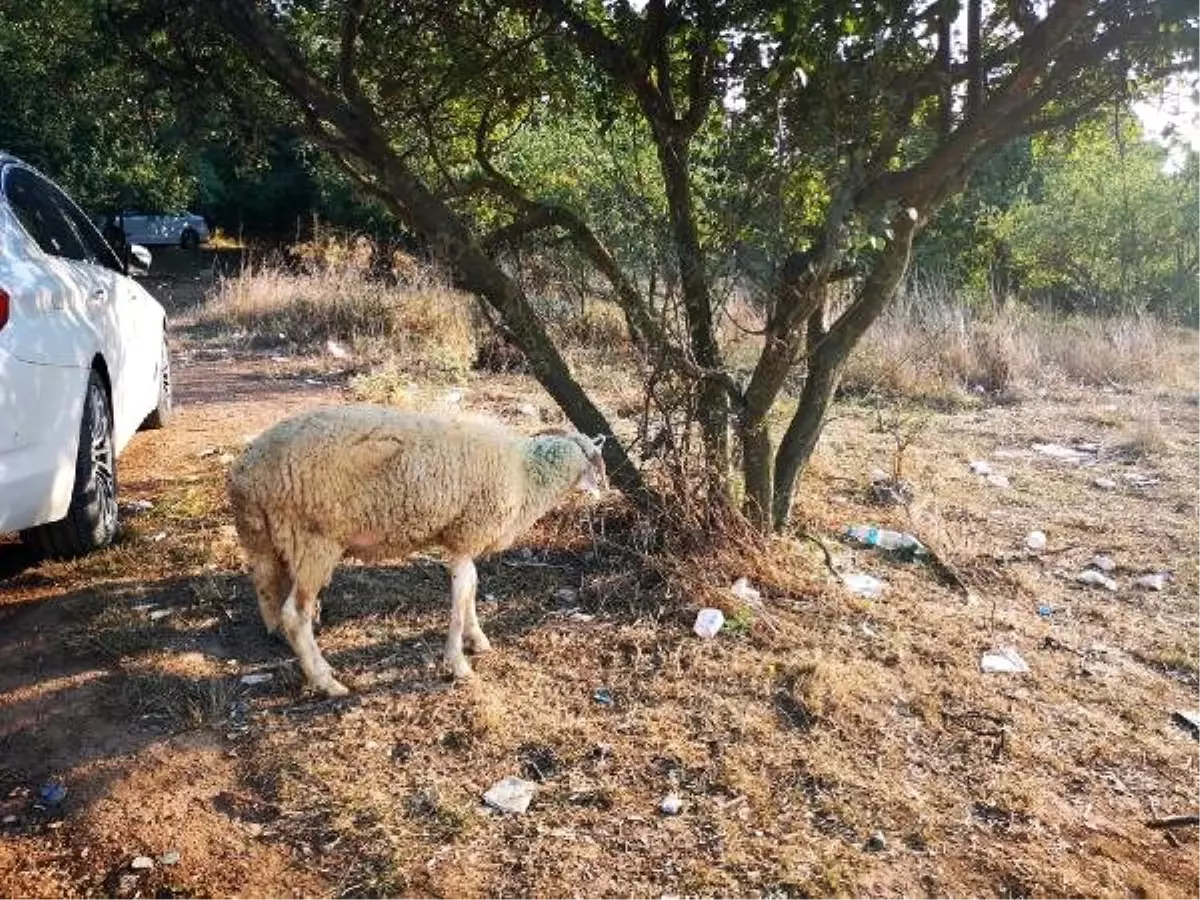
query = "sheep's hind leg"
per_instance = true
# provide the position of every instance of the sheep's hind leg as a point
(473, 635)
(462, 588)
(296, 621)
(270, 580)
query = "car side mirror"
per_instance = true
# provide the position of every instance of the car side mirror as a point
(139, 260)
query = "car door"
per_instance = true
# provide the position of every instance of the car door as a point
(130, 324)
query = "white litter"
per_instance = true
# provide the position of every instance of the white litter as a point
(1036, 540)
(863, 585)
(336, 350)
(981, 467)
(528, 409)
(142, 862)
(747, 593)
(256, 678)
(1139, 480)
(1155, 581)
(1058, 451)
(160, 536)
(1105, 484)
(671, 805)
(1103, 562)
(1096, 579)
(510, 794)
(454, 396)
(156, 614)
(708, 622)
(1004, 660)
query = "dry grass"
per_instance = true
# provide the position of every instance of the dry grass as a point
(929, 346)
(422, 325)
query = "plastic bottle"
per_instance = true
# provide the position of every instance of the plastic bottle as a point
(885, 540)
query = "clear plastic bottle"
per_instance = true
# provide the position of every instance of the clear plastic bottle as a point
(884, 539)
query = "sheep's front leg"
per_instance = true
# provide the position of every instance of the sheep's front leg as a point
(463, 580)
(296, 621)
(473, 635)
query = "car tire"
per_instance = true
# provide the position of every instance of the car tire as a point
(189, 240)
(91, 519)
(161, 414)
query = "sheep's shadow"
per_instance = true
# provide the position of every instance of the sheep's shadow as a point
(96, 675)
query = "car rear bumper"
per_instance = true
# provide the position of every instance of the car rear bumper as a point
(40, 410)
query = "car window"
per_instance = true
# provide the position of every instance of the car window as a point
(35, 206)
(98, 251)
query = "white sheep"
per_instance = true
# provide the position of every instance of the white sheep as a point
(374, 482)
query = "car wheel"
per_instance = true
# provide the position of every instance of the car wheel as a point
(189, 240)
(91, 519)
(161, 414)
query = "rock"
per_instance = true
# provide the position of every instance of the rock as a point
(1105, 484)
(1139, 480)
(708, 622)
(1103, 562)
(1065, 454)
(170, 858)
(127, 885)
(876, 842)
(1155, 581)
(1036, 540)
(336, 350)
(672, 805)
(528, 409)
(1006, 661)
(511, 795)
(863, 585)
(565, 596)
(256, 678)
(1096, 579)
(980, 467)
(142, 862)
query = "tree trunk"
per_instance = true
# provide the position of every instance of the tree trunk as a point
(756, 474)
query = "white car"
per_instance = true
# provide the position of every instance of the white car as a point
(182, 229)
(83, 365)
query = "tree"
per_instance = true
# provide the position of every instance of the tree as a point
(856, 124)
(1103, 225)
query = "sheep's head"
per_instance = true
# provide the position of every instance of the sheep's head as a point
(594, 478)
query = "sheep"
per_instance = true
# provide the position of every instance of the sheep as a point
(374, 482)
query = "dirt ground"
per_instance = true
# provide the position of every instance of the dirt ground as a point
(822, 744)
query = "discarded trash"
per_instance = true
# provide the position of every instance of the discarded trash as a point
(528, 409)
(156, 614)
(564, 596)
(455, 396)
(170, 858)
(1036, 540)
(158, 536)
(52, 793)
(1105, 484)
(999, 481)
(1139, 480)
(336, 350)
(876, 842)
(863, 585)
(1096, 579)
(1065, 454)
(744, 591)
(1155, 581)
(708, 622)
(1004, 660)
(980, 467)
(510, 794)
(603, 696)
(671, 805)
(1045, 611)
(581, 617)
(884, 539)
(1188, 720)
(1103, 562)
(256, 678)
(142, 862)
(137, 506)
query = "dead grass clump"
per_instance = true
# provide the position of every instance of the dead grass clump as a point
(600, 324)
(429, 325)
(1147, 438)
(930, 345)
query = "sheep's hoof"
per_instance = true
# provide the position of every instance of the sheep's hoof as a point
(331, 687)
(477, 642)
(460, 668)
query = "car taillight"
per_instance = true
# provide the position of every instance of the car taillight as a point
(3, 308)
